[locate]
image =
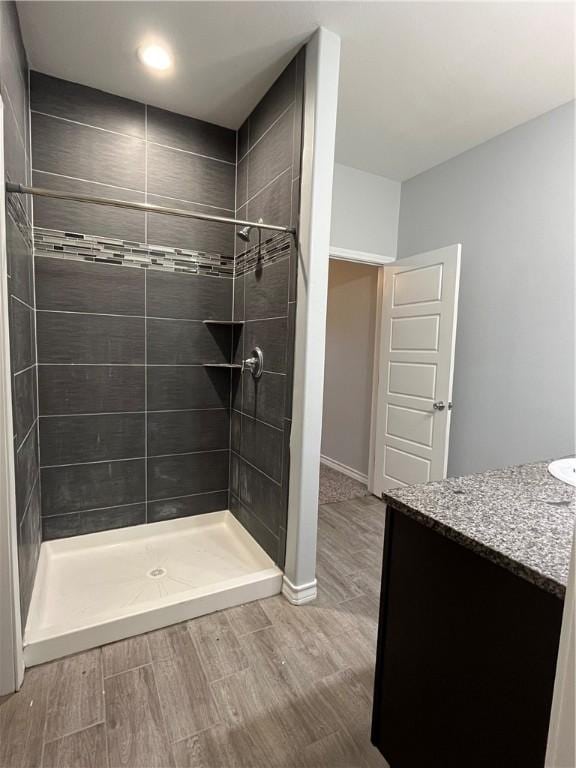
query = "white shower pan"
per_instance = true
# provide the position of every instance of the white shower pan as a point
(101, 587)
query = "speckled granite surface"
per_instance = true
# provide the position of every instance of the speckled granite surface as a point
(519, 517)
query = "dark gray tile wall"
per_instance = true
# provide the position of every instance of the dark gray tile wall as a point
(129, 415)
(133, 427)
(20, 268)
(95, 143)
(268, 186)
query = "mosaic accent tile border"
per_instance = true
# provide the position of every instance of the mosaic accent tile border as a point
(80, 247)
(267, 251)
(71, 245)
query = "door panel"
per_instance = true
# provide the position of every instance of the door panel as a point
(416, 361)
(417, 379)
(415, 286)
(409, 424)
(405, 467)
(413, 333)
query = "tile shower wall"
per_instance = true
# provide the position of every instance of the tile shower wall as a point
(133, 428)
(268, 186)
(14, 89)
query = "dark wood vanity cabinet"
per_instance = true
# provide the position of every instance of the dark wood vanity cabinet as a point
(466, 656)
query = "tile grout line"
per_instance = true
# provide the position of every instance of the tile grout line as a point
(136, 365)
(208, 727)
(132, 458)
(241, 382)
(86, 181)
(21, 301)
(136, 504)
(105, 712)
(153, 317)
(131, 136)
(44, 727)
(38, 480)
(30, 428)
(261, 471)
(145, 174)
(265, 187)
(129, 669)
(126, 413)
(66, 734)
(129, 189)
(24, 370)
(145, 397)
(21, 138)
(29, 499)
(272, 124)
(232, 330)
(164, 726)
(256, 517)
(259, 421)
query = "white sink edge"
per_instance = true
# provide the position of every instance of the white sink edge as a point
(564, 470)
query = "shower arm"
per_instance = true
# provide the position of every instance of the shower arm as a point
(21, 189)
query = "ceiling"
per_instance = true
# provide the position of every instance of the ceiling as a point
(420, 82)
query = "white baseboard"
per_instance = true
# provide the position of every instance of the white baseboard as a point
(297, 595)
(349, 471)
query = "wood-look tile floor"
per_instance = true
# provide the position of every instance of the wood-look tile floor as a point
(266, 684)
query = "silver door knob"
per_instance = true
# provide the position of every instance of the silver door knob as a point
(439, 405)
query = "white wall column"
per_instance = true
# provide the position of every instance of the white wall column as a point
(321, 100)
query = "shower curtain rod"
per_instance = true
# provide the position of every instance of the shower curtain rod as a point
(21, 189)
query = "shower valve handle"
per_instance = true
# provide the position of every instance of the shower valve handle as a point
(255, 364)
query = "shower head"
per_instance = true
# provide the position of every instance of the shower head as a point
(244, 234)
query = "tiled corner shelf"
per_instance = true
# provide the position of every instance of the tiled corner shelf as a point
(231, 324)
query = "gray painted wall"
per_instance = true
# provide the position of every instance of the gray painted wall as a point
(510, 202)
(364, 211)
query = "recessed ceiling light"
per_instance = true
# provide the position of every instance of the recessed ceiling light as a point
(155, 57)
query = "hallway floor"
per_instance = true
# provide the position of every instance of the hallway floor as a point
(265, 684)
(335, 486)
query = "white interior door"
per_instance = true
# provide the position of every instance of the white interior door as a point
(415, 369)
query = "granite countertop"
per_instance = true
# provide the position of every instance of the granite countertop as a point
(519, 517)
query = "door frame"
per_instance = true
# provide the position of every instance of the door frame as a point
(11, 649)
(360, 257)
(376, 260)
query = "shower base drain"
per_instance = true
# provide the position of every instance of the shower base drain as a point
(156, 573)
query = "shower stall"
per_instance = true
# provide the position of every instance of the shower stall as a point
(152, 360)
